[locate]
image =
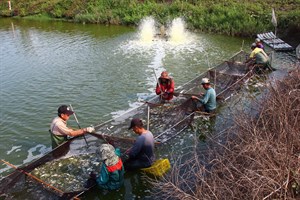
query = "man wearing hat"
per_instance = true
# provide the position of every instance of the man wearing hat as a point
(141, 154)
(209, 99)
(112, 171)
(59, 130)
(165, 86)
(259, 44)
(258, 57)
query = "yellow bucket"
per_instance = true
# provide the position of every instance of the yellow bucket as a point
(158, 168)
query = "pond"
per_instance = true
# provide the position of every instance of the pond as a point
(101, 70)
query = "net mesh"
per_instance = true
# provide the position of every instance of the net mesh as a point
(165, 120)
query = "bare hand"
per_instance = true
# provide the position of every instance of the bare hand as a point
(90, 129)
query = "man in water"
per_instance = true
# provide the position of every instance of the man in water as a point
(165, 86)
(112, 171)
(59, 130)
(209, 99)
(141, 154)
(258, 59)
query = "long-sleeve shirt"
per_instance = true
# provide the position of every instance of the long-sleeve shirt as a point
(209, 100)
(167, 87)
(143, 148)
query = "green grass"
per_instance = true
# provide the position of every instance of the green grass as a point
(231, 17)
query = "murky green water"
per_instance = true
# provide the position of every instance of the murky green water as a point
(101, 70)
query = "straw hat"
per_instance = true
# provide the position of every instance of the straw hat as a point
(108, 155)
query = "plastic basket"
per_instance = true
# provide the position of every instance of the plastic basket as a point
(159, 167)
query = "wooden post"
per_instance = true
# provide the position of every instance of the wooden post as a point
(9, 5)
(148, 117)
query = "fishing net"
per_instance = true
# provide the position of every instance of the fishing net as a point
(68, 166)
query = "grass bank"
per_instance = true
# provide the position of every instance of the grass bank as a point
(231, 17)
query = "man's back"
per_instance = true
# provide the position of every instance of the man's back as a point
(209, 100)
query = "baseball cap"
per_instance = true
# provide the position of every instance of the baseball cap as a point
(64, 109)
(205, 81)
(135, 122)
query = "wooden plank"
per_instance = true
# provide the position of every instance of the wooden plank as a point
(274, 42)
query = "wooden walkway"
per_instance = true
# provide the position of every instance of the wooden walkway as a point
(274, 42)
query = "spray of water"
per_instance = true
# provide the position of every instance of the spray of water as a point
(177, 31)
(150, 43)
(147, 30)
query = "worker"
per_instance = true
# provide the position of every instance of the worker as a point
(112, 170)
(209, 98)
(58, 129)
(258, 59)
(141, 154)
(165, 86)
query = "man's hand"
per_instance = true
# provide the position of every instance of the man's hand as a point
(194, 97)
(90, 129)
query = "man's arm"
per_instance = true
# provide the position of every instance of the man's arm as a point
(63, 129)
(137, 146)
(158, 89)
(172, 86)
(205, 99)
(251, 56)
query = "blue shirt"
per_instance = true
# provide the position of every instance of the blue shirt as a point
(209, 100)
(143, 148)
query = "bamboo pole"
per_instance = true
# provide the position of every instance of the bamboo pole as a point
(9, 5)
(79, 125)
(148, 117)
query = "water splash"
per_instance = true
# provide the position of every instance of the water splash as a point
(177, 31)
(176, 40)
(147, 30)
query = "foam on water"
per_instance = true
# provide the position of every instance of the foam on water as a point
(36, 152)
(33, 153)
(14, 149)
